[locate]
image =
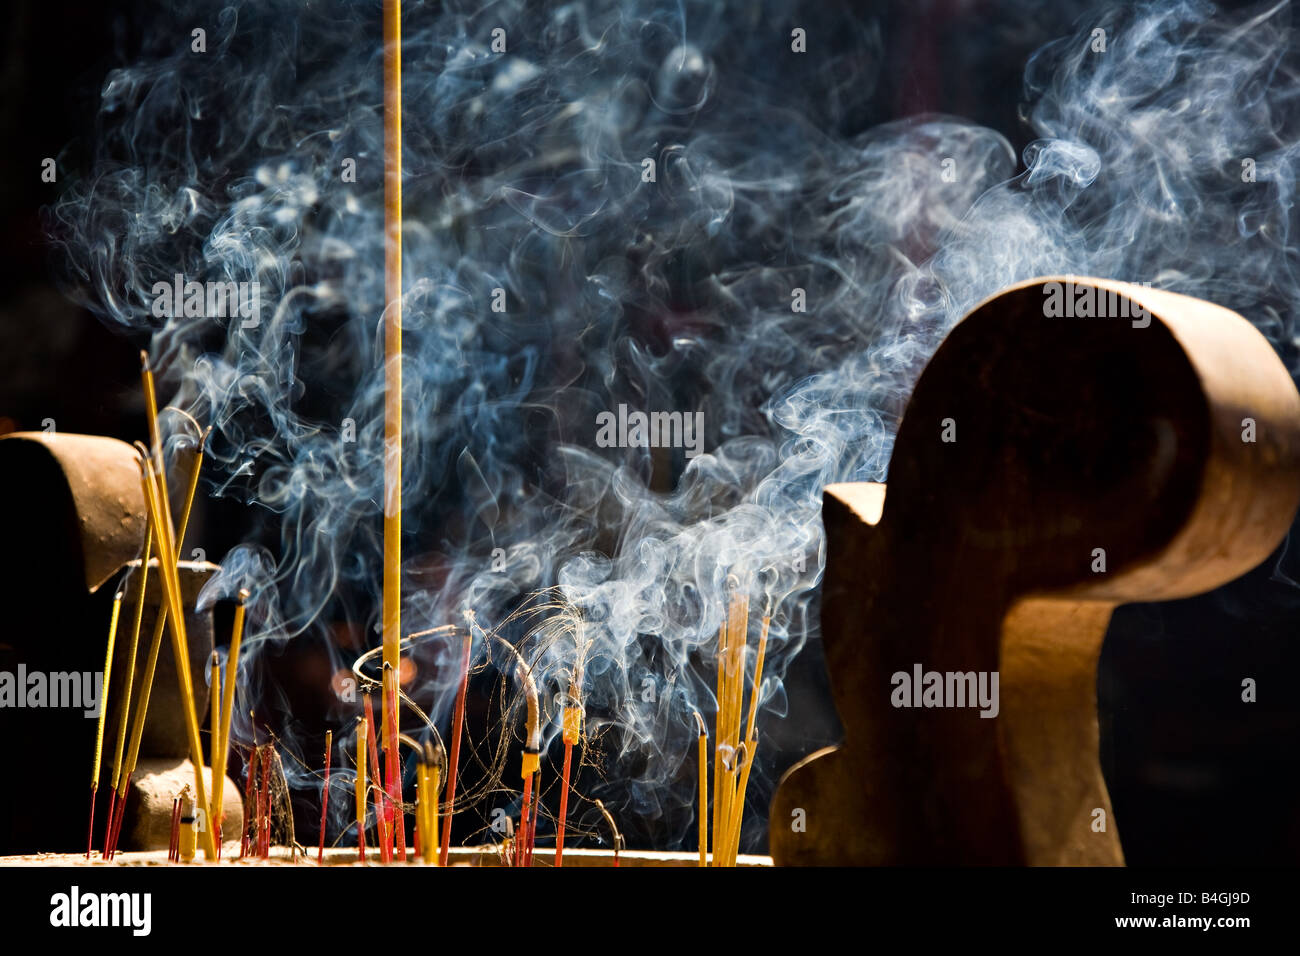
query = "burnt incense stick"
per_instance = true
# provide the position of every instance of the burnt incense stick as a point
(174, 843)
(103, 713)
(616, 838)
(325, 795)
(264, 804)
(187, 839)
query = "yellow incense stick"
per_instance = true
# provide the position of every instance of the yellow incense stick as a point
(361, 780)
(157, 495)
(392, 602)
(103, 695)
(751, 741)
(227, 708)
(214, 733)
(704, 790)
(180, 644)
(160, 624)
(717, 736)
(187, 827)
(435, 782)
(133, 646)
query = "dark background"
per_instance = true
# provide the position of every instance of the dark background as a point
(1196, 776)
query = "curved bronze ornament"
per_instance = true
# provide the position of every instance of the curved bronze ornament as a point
(1116, 439)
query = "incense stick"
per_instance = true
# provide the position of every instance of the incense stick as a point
(457, 727)
(572, 731)
(532, 818)
(155, 645)
(133, 646)
(325, 795)
(157, 498)
(214, 741)
(615, 836)
(751, 740)
(103, 713)
(174, 844)
(187, 839)
(521, 837)
(180, 645)
(394, 815)
(381, 833)
(434, 776)
(704, 789)
(264, 806)
(362, 732)
(227, 709)
(392, 585)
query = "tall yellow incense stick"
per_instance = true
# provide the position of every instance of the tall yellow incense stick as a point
(392, 610)
(156, 494)
(717, 736)
(227, 707)
(704, 790)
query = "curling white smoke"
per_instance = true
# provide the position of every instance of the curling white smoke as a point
(526, 174)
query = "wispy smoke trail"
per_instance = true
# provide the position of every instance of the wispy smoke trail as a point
(526, 173)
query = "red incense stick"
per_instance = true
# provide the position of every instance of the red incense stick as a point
(381, 798)
(521, 838)
(532, 818)
(393, 769)
(264, 808)
(244, 843)
(325, 794)
(457, 725)
(564, 805)
(108, 824)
